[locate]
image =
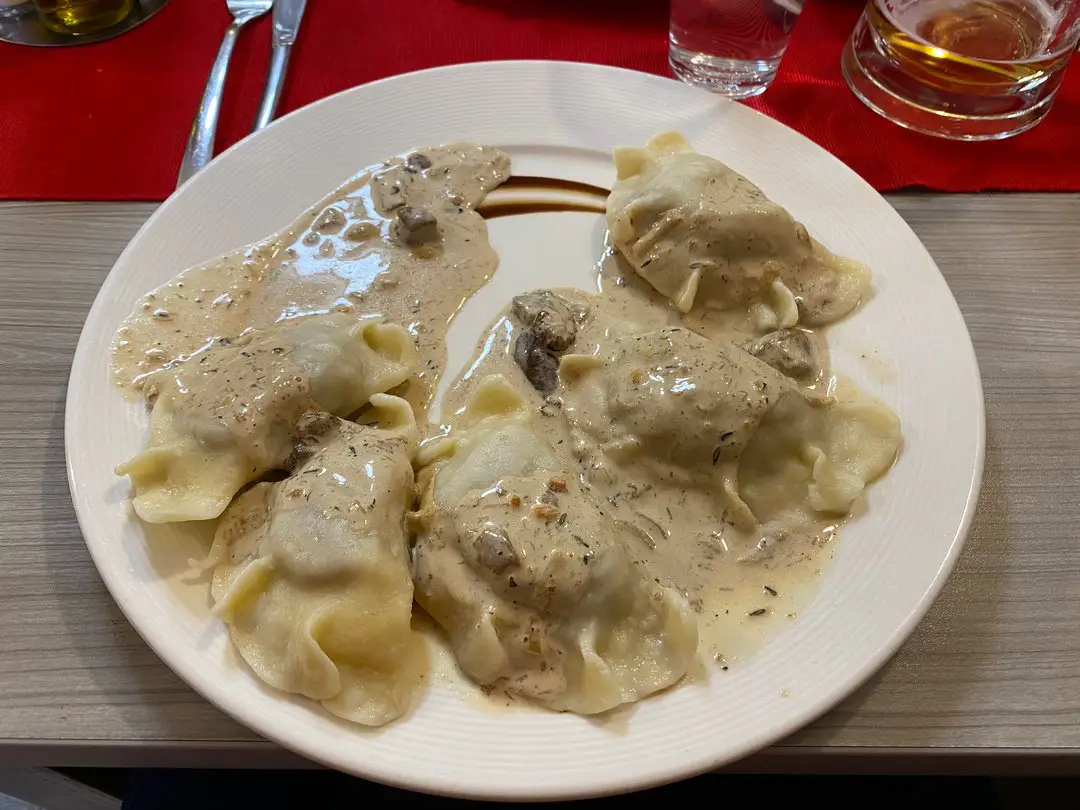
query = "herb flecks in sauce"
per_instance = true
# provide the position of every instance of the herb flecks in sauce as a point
(402, 239)
(678, 531)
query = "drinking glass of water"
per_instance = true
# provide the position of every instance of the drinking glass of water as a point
(964, 69)
(732, 47)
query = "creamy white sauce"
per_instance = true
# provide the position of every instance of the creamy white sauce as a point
(345, 255)
(349, 254)
(742, 594)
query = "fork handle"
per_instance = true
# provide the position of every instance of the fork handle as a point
(200, 145)
(275, 81)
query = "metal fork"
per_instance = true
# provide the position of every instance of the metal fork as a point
(200, 145)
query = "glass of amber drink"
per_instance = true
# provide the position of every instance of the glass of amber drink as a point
(969, 70)
(82, 16)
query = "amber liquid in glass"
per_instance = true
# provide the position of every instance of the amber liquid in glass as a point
(966, 69)
(82, 16)
(972, 46)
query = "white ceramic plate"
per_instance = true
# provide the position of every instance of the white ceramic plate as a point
(908, 345)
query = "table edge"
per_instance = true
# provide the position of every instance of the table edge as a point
(781, 759)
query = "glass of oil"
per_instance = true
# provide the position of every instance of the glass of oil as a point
(970, 70)
(82, 16)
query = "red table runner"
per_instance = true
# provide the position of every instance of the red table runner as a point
(109, 121)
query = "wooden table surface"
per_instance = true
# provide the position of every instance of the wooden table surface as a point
(993, 670)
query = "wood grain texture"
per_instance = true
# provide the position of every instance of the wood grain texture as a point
(994, 667)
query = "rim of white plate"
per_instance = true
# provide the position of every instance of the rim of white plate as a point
(485, 98)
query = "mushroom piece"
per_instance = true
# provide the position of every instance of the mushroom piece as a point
(493, 549)
(789, 351)
(310, 428)
(414, 226)
(541, 367)
(417, 162)
(554, 320)
(551, 325)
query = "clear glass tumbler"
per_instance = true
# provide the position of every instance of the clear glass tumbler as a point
(732, 47)
(969, 70)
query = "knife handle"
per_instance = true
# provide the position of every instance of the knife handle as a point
(275, 80)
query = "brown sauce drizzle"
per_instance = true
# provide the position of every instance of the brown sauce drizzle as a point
(555, 184)
(518, 207)
(493, 209)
